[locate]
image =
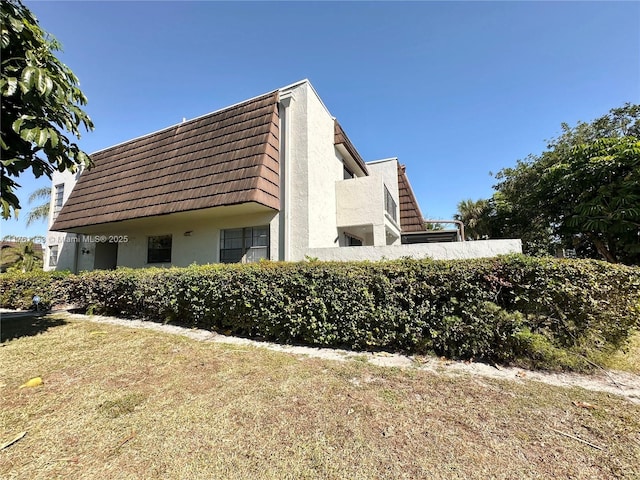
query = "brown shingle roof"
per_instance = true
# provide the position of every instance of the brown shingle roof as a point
(340, 138)
(410, 216)
(223, 158)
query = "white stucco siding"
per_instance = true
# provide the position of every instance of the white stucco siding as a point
(313, 167)
(66, 247)
(191, 242)
(66, 243)
(388, 169)
(69, 180)
(435, 251)
(295, 158)
(324, 170)
(195, 238)
(360, 201)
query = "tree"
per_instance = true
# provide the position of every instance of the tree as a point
(40, 105)
(39, 212)
(22, 255)
(595, 191)
(583, 192)
(516, 212)
(433, 227)
(475, 216)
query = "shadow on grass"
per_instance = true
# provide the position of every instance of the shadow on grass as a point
(27, 324)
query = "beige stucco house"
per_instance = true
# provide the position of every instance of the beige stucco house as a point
(274, 177)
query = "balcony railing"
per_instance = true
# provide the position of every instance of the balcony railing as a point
(390, 204)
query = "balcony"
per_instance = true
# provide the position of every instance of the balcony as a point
(366, 207)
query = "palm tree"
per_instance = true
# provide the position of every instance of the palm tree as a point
(475, 216)
(22, 255)
(39, 212)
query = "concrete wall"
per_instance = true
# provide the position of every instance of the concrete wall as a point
(436, 251)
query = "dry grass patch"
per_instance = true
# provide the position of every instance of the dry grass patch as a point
(124, 403)
(628, 359)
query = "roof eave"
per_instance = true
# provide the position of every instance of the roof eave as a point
(341, 138)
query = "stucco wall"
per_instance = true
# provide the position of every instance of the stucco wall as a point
(325, 169)
(295, 158)
(201, 245)
(436, 251)
(360, 201)
(66, 242)
(388, 169)
(313, 167)
(194, 240)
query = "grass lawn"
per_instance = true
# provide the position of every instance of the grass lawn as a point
(127, 403)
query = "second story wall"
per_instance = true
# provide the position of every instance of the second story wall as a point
(325, 169)
(60, 248)
(313, 167)
(61, 180)
(388, 170)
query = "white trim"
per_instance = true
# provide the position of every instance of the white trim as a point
(373, 162)
(302, 82)
(294, 84)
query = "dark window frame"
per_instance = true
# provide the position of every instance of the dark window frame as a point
(353, 241)
(236, 242)
(159, 253)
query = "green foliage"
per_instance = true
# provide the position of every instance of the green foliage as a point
(21, 256)
(600, 196)
(536, 351)
(41, 211)
(17, 289)
(40, 103)
(583, 192)
(475, 217)
(534, 311)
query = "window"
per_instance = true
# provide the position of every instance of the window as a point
(59, 196)
(244, 244)
(353, 241)
(159, 249)
(58, 199)
(53, 255)
(390, 204)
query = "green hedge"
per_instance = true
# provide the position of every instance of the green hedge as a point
(511, 308)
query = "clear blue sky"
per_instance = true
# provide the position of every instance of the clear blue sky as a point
(455, 90)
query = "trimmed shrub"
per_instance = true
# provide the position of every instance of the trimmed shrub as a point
(18, 289)
(531, 311)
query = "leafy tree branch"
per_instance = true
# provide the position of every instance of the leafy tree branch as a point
(41, 105)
